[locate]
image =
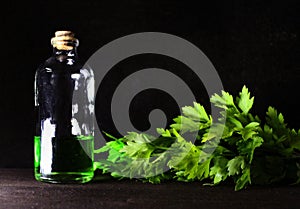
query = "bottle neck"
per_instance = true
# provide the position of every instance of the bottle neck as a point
(62, 55)
(65, 47)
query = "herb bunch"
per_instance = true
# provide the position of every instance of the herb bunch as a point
(238, 147)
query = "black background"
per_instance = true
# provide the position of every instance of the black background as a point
(255, 43)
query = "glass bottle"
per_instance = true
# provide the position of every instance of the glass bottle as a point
(64, 106)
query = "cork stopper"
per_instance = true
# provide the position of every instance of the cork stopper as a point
(64, 40)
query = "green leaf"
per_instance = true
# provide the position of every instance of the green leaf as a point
(295, 142)
(252, 125)
(219, 170)
(244, 101)
(214, 132)
(163, 132)
(247, 147)
(196, 113)
(249, 131)
(243, 180)
(235, 165)
(224, 101)
(137, 150)
(237, 125)
(276, 121)
(193, 119)
(184, 124)
(189, 162)
(139, 138)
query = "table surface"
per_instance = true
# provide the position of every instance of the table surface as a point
(18, 189)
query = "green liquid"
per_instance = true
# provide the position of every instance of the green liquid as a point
(64, 160)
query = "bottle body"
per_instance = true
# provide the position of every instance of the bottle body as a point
(64, 105)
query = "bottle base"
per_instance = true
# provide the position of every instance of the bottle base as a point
(65, 177)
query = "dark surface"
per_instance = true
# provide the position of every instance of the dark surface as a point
(249, 42)
(18, 189)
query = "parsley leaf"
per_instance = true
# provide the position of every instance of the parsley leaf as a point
(238, 146)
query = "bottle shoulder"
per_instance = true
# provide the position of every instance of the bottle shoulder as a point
(53, 64)
(53, 68)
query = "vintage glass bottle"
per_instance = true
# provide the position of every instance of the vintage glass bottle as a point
(64, 107)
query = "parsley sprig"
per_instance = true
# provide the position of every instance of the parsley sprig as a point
(237, 147)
